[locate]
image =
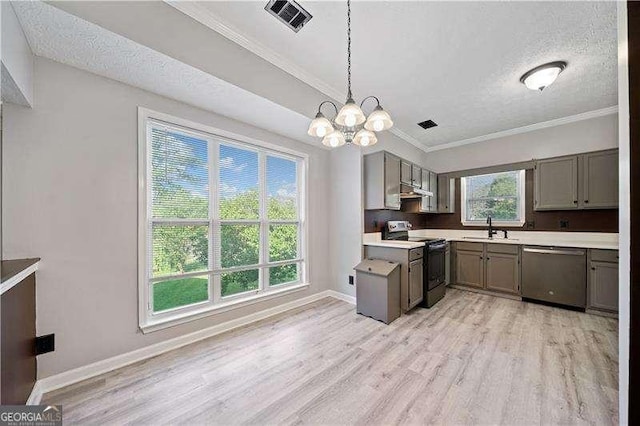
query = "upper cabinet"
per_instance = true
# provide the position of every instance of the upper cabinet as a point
(382, 181)
(416, 176)
(405, 172)
(446, 194)
(599, 180)
(556, 184)
(384, 177)
(585, 181)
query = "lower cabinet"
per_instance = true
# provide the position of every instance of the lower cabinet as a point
(470, 268)
(602, 288)
(503, 269)
(416, 288)
(494, 267)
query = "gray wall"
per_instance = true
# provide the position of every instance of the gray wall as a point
(581, 136)
(72, 164)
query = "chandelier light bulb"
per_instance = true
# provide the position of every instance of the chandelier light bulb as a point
(350, 120)
(334, 139)
(365, 138)
(378, 120)
(320, 126)
(352, 112)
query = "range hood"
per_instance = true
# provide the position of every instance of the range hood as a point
(407, 191)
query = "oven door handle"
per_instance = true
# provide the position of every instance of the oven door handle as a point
(437, 247)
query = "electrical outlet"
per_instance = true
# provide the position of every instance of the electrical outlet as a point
(44, 344)
(350, 279)
(375, 224)
(531, 224)
(564, 223)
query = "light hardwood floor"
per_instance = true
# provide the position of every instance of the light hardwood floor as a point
(471, 359)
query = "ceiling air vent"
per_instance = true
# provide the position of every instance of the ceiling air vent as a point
(427, 124)
(289, 13)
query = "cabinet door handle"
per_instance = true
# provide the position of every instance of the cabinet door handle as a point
(586, 201)
(575, 201)
(593, 268)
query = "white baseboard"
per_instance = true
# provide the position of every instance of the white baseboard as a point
(36, 394)
(79, 374)
(342, 296)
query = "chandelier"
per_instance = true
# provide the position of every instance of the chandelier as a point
(350, 124)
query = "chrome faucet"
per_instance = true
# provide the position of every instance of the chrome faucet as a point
(492, 231)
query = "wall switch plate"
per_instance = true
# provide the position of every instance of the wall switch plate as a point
(350, 279)
(44, 344)
(564, 223)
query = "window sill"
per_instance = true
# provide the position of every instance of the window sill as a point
(185, 317)
(495, 224)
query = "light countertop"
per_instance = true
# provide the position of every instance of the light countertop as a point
(407, 245)
(596, 240)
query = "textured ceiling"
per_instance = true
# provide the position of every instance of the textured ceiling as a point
(458, 63)
(65, 38)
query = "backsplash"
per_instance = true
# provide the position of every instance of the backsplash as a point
(577, 221)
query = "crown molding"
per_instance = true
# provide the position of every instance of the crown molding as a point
(206, 17)
(525, 129)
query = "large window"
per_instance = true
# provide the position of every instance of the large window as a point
(221, 221)
(499, 195)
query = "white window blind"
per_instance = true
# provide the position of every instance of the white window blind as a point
(223, 221)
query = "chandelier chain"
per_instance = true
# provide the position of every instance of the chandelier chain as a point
(349, 49)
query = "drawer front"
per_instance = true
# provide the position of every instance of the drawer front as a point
(604, 255)
(469, 246)
(415, 253)
(502, 248)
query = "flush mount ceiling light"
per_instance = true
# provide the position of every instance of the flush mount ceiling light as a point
(350, 125)
(542, 76)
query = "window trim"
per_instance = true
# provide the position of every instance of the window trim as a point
(149, 321)
(503, 223)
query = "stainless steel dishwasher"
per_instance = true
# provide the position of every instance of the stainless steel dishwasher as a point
(555, 274)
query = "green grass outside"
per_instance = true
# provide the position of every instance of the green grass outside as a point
(186, 291)
(174, 293)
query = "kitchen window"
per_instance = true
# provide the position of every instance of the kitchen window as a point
(499, 195)
(221, 221)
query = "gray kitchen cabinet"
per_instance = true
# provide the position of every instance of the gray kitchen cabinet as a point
(470, 268)
(433, 185)
(599, 172)
(446, 194)
(494, 267)
(425, 202)
(415, 281)
(416, 176)
(405, 172)
(381, 175)
(503, 270)
(556, 183)
(603, 280)
(584, 181)
(411, 271)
